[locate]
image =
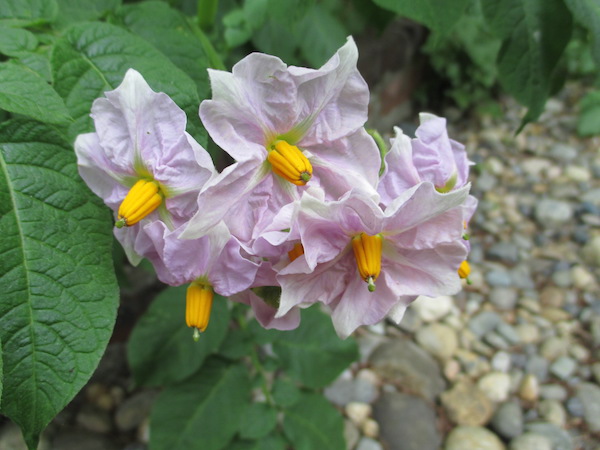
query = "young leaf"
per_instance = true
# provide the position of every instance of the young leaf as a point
(258, 421)
(14, 41)
(71, 11)
(314, 423)
(25, 13)
(535, 33)
(91, 58)
(589, 119)
(204, 412)
(587, 13)
(271, 442)
(322, 35)
(23, 91)
(285, 392)
(161, 349)
(59, 293)
(435, 15)
(1, 374)
(312, 353)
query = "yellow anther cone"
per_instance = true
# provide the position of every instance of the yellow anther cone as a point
(198, 304)
(143, 198)
(464, 269)
(288, 162)
(367, 251)
(296, 252)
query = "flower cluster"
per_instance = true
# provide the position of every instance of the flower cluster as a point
(307, 213)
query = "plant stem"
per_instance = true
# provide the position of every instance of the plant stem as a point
(380, 145)
(214, 60)
(207, 11)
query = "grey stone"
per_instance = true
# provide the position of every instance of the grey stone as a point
(531, 441)
(553, 411)
(553, 392)
(563, 367)
(473, 438)
(561, 440)
(484, 322)
(345, 390)
(366, 443)
(575, 407)
(589, 394)
(466, 404)
(496, 340)
(351, 434)
(499, 277)
(538, 366)
(74, 439)
(550, 212)
(504, 298)
(406, 422)
(11, 438)
(438, 339)
(508, 420)
(505, 252)
(94, 419)
(132, 412)
(404, 362)
(501, 362)
(508, 332)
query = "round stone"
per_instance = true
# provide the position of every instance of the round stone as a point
(467, 437)
(550, 212)
(438, 339)
(465, 404)
(495, 385)
(553, 411)
(508, 420)
(529, 389)
(431, 309)
(530, 441)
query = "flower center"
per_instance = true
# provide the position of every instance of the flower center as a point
(296, 252)
(367, 251)
(198, 303)
(449, 184)
(289, 163)
(143, 198)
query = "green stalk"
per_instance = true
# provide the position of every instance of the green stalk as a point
(380, 145)
(207, 11)
(214, 60)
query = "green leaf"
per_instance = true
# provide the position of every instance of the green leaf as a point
(91, 58)
(435, 15)
(1, 374)
(314, 423)
(25, 13)
(167, 30)
(323, 34)
(258, 421)
(237, 343)
(589, 119)
(202, 413)
(71, 11)
(587, 13)
(271, 442)
(59, 293)
(23, 91)
(14, 41)
(535, 33)
(161, 349)
(38, 62)
(312, 353)
(285, 392)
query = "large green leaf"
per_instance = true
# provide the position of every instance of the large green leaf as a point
(258, 421)
(23, 91)
(439, 16)
(589, 119)
(59, 293)
(71, 11)
(14, 41)
(314, 423)
(312, 353)
(587, 13)
(161, 349)
(204, 412)
(168, 30)
(92, 58)
(24, 13)
(322, 35)
(1, 373)
(534, 33)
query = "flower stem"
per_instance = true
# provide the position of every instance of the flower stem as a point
(380, 145)
(214, 60)
(207, 11)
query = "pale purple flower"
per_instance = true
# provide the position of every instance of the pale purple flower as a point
(140, 134)
(432, 156)
(421, 234)
(262, 101)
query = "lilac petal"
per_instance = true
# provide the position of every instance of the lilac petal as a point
(358, 306)
(419, 205)
(230, 272)
(333, 99)
(128, 237)
(105, 179)
(400, 173)
(265, 314)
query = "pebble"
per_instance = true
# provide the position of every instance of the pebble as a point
(484, 322)
(495, 385)
(530, 441)
(591, 251)
(508, 420)
(553, 392)
(554, 348)
(351, 434)
(551, 213)
(537, 366)
(508, 332)
(528, 333)
(583, 278)
(553, 411)
(366, 443)
(432, 309)
(358, 412)
(404, 362)
(132, 412)
(438, 339)
(345, 389)
(468, 437)
(560, 438)
(406, 422)
(501, 362)
(589, 394)
(563, 367)
(529, 389)
(596, 371)
(575, 407)
(499, 277)
(466, 404)
(94, 419)
(370, 428)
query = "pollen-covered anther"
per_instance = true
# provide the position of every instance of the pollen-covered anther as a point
(198, 304)
(464, 270)
(367, 251)
(289, 162)
(296, 252)
(143, 198)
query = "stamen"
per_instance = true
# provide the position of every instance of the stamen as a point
(367, 251)
(198, 305)
(143, 198)
(464, 271)
(289, 162)
(296, 252)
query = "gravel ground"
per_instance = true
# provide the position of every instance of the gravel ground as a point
(512, 362)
